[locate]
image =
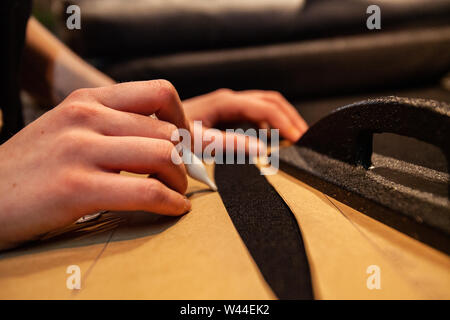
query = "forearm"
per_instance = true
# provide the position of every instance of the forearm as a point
(50, 70)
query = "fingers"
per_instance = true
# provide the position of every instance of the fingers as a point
(142, 97)
(258, 110)
(142, 155)
(286, 106)
(119, 192)
(234, 141)
(111, 122)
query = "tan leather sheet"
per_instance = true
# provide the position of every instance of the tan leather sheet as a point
(342, 243)
(138, 255)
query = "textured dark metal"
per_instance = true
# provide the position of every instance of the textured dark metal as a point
(335, 156)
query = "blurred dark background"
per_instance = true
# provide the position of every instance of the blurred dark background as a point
(302, 48)
(319, 53)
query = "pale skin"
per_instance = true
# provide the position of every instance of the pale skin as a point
(66, 163)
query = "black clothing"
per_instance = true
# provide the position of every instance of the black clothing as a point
(14, 15)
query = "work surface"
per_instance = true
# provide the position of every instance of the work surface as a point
(138, 255)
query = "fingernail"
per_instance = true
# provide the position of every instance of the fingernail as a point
(294, 133)
(187, 205)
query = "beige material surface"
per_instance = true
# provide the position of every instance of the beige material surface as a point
(342, 243)
(427, 269)
(138, 255)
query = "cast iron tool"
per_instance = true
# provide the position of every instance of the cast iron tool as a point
(335, 156)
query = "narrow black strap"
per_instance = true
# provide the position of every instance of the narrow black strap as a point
(268, 228)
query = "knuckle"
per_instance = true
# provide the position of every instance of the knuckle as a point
(270, 109)
(166, 90)
(70, 182)
(165, 151)
(72, 142)
(80, 94)
(274, 93)
(169, 130)
(224, 91)
(79, 112)
(154, 191)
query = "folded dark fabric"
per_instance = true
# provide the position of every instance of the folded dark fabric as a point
(122, 28)
(306, 68)
(268, 228)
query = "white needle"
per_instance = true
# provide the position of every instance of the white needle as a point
(196, 170)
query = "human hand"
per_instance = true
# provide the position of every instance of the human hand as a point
(266, 108)
(65, 164)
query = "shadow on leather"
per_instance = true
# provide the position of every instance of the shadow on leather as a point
(123, 225)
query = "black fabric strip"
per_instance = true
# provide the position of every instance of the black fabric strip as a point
(268, 228)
